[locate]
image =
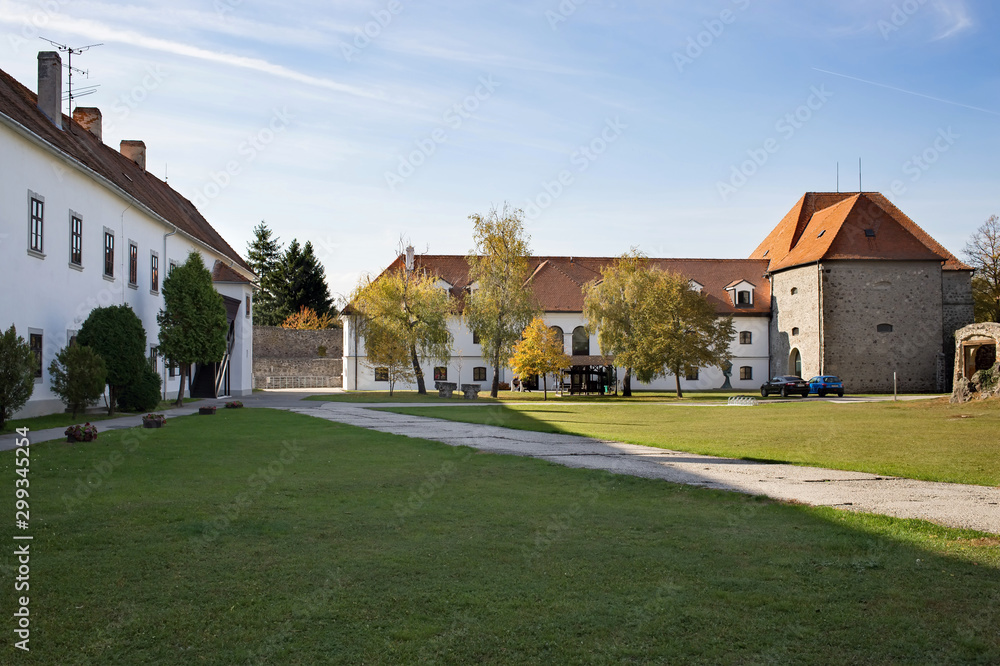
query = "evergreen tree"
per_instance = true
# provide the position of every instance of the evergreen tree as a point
(264, 256)
(116, 334)
(193, 322)
(300, 281)
(17, 373)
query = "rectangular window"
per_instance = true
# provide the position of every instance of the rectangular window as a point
(133, 263)
(440, 374)
(746, 337)
(36, 225)
(381, 374)
(109, 253)
(746, 372)
(691, 374)
(35, 342)
(171, 369)
(248, 306)
(154, 352)
(154, 272)
(75, 241)
(479, 374)
(743, 298)
(173, 265)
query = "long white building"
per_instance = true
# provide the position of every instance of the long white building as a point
(737, 287)
(84, 225)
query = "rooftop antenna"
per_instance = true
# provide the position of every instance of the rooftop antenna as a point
(71, 51)
(838, 177)
(859, 176)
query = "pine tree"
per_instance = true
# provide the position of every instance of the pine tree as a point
(301, 282)
(193, 322)
(264, 257)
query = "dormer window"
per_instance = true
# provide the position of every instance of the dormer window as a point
(741, 293)
(696, 286)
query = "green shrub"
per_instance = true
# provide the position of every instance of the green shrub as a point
(78, 377)
(117, 335)
(17, 373)
(143, 394)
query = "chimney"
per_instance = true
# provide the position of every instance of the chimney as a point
(89, 118)
(409, 257)
(50, 86)
(135, 151)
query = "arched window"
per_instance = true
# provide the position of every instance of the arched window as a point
(559, 334)
(581, 342)
(795, 290)
(795, 331)
(746, 337)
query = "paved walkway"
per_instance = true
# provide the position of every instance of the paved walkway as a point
(951, 504)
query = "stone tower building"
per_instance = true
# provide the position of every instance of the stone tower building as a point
(860, 291)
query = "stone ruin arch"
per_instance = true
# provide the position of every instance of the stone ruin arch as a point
(977, 372)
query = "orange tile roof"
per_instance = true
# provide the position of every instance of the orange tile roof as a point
(826, 226)
(558, 281)
(21, 106)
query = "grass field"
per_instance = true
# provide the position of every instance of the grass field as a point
(64, 420)
(926, 439)
(526, 396)
(257, 536)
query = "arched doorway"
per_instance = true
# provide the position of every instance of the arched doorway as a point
(795, 363)
(559, 334)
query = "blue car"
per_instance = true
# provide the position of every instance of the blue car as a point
(821, 385)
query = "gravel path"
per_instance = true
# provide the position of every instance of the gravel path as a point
(950, 504)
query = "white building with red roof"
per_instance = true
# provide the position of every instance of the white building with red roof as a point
(84, 225)
(845, 285)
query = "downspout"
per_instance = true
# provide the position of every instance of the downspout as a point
(164, 264)
(822, 333)
(121, 272)
(354, 325)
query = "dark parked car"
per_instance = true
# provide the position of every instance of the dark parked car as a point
(786, 385)
(824, 384)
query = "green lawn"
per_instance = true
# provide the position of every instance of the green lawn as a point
(64, 420)
(926, 439)
(256, 536)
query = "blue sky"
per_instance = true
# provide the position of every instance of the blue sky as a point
(686, 129)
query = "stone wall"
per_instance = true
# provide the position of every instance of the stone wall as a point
(859, 296)
(290, 359)
(791, 311)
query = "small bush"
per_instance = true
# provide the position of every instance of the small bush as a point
(17, 373)
(78, 377)
(81, 433)
(143, 394)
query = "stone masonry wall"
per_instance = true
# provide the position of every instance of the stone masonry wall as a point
(861, 295)
(795, 311)
(290, 359)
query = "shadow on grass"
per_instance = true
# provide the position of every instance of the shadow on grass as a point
(386, 549)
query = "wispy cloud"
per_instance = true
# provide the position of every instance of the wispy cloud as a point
(955, 17)
(17, 13)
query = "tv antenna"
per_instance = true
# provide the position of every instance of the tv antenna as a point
(71, 51)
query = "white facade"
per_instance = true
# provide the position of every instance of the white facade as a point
(467, 358)
(44, 291)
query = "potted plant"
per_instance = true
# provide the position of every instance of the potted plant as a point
(235, 404)
(81, 433)
(207, 410)
(153, 421)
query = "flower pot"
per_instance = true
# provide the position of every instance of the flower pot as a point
(206, 410)
(152, 424)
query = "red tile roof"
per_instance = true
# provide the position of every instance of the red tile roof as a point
(826, 226)
(20, 105)
(558, 281)
(223, 273)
